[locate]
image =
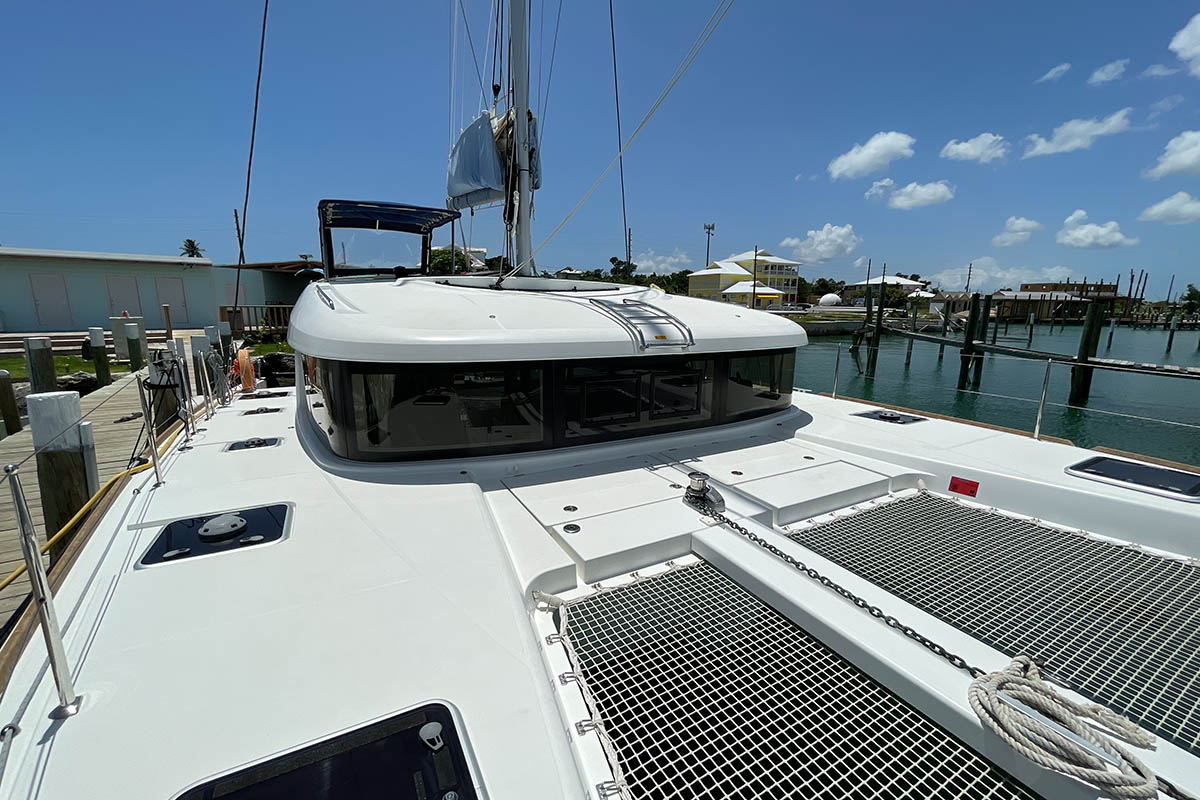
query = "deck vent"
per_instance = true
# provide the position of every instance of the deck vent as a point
(705, 691)
(254, 443)
(217, 533)
(263, 394)
(887, 415)
(1117, 622)
(261, 410)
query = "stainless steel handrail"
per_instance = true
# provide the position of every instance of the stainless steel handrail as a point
(1037, 427)
(69, 700)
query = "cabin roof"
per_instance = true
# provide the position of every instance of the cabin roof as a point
(429, 320)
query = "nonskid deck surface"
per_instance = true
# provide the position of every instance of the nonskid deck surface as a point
(704, 691)
(1122, 625)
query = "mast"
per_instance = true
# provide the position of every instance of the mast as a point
(519, 31)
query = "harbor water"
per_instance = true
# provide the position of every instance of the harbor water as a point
(1154, 415)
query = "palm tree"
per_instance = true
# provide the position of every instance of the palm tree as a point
(191, 249)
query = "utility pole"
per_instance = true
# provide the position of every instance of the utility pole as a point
(754, 279)
(709, 227)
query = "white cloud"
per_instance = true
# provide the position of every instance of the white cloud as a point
(831, 241)
(1017, 230)
(1178, 209)
(1160, 107)
(880, 150)
(1181, 156)
(1077, 134)
(1109, 72)
(1185, 44)
(987, 276)
(879, 188)
(1158, 71)
(1078, 232)
(1055, 72)
(650, 261)
(1077, 217)
(983, 148)
(916, 195)
(860, 261)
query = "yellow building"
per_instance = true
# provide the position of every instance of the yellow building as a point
(776, 272)
(720, 275)
(745, 292)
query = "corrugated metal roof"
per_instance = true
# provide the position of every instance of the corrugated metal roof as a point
(84, 255)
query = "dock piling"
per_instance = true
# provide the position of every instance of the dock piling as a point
(10, 415)
(39, 358)
(99, 356)
(1112, 326)
(1171, 335)
(945, 327)
(968, 345)
(61, 469)
(133, 338)
(908, 354)
(1081, 375)
(984, 319)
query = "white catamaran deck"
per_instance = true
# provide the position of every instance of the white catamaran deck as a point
(397, 585)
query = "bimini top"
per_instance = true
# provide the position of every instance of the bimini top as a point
(383, 216)
(432, 319)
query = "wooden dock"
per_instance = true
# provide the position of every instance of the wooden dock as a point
(114, 444)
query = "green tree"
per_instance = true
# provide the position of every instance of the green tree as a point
(190, 249)
(1190, 299)
(622, 271)
(498, 264)
(446, 262)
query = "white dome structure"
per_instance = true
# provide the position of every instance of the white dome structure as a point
(830, 299)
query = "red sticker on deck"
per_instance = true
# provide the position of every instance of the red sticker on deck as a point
(964, 486)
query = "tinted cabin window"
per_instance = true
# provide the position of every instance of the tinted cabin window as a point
(435, 408)
(617, 397)
(397, 412)
(759, 382)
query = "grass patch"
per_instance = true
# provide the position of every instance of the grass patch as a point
(269, 347)
(62, 366)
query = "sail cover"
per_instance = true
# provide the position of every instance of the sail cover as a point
(478, 162)
(476, 174)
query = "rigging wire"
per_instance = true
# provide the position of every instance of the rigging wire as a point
(241, 233)
(689, 58)
(544, 102)
(474, 58)
(612, 30)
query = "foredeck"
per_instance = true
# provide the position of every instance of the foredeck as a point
(114, 443)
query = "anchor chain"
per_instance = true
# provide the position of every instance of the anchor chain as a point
(954, 659)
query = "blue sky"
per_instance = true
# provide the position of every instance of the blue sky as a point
(126, 127)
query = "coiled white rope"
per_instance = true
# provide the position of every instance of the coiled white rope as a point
(1124, 776)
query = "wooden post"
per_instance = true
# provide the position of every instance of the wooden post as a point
(908, 354)
(133, 341)
(978, 354)
(167, 320)
(62, 473)
(91, 464)
(873, 352)
(226, 334)
(968, 345)
(1029, 343)
(1171, 335)
(1081, 376)
(945, 326)
(1112, 326)
(39, 359)
(10, 415)
(99, 356)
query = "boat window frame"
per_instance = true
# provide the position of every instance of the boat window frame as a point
(338, 378)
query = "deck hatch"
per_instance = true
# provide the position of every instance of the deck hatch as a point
(216, 533)
(705, 691)
(1121, 624)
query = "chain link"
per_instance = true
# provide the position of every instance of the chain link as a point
(954, 659)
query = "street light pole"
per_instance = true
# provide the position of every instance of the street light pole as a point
(709, 227)
(754, 280)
